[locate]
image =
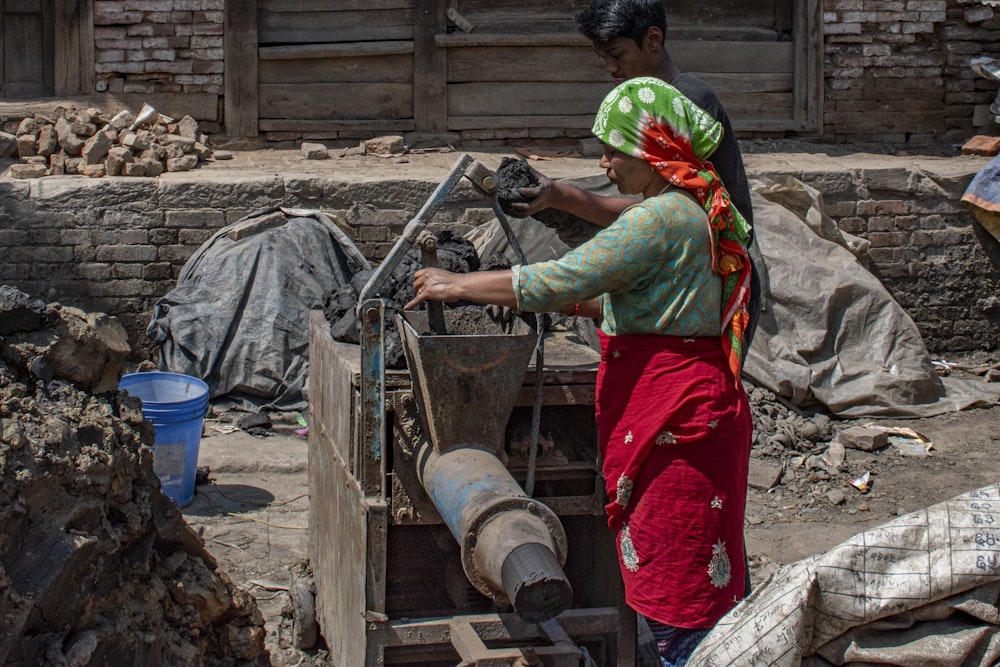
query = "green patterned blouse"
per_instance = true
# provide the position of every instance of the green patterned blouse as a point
(653, 266)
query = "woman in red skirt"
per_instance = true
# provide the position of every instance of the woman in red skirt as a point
(668, 282)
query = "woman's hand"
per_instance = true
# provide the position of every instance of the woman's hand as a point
(477, 287)
(435, 285)
(590, 308)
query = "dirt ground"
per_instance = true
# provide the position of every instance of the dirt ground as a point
(253, 511)
(797, 519)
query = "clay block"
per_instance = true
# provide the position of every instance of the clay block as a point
(8, 144)
(26, 145)
(117, 157)
(388, 145)
(57, 164)
(865, 439)
(96, 148)
(28, 170)
(982, 144)
(185, 163)
(48, 141)
(133, 169)
(152, 166)
(763, 474)
(312, 151)
(93, 170)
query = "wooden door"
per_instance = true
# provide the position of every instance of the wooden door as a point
(26, 49)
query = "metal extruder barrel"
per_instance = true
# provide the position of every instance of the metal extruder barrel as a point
(513, 546)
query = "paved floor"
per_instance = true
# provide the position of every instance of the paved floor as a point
(253, 515)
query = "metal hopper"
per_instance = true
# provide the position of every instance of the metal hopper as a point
(466, 383)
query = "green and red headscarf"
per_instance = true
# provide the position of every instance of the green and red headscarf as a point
(651, 120)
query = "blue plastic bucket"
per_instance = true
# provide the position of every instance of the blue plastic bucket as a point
(176, 404)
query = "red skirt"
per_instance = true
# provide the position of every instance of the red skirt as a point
(675, 433)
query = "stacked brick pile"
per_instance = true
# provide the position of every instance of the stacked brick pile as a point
(86, 142)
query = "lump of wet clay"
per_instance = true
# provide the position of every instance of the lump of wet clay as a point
(514, 174)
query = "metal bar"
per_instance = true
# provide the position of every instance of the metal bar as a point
(414, 227)
(536, 402)
(435, 309)
(370, 468)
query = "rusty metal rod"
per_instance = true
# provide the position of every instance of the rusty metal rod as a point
(429, 258)
(414, 227)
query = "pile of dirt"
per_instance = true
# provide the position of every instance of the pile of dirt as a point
(454, 254)
(97, 566)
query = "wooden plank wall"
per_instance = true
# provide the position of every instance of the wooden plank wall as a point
(328, 66)
(26, 49)
(240, 43)
(46, 48)
(539, 17)
(323, 21)
(74, 47)
(511, 86)
(754, 80)
(398, 65)
(743, 20)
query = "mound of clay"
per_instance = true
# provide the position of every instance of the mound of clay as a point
(514, 174)
(97, 566)
(87, 349)
(454, 254)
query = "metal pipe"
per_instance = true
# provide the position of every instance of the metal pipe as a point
(512, 546)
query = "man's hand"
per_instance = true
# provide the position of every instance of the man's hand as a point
(531, 200)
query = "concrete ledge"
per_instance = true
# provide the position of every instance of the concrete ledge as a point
(117, 244)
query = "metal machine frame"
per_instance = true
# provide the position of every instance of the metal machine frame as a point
(392, 585)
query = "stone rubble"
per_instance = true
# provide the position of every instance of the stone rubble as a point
(388, 146)
(87, 142)
(804, 456)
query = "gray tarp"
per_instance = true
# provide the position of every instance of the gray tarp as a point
(830, 332)
(238, 317)
(830, 336)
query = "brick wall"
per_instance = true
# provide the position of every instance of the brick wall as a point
(922, 248)
(897, 71)
(117, 245)
(157, 46)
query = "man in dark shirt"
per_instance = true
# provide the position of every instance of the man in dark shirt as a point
(629, 37)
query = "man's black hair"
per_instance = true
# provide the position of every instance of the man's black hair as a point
(608, 19)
